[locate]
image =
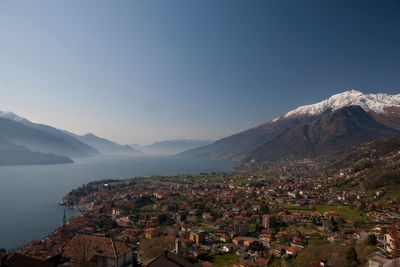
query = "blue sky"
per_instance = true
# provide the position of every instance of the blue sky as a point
(141, 71)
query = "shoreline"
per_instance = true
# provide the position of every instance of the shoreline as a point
(83, 209)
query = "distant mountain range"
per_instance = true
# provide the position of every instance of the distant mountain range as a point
(25, 142)
(172, 147)
(320, 130)
(105, 146)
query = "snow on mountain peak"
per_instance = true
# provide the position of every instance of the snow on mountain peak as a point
(12, 116)
(369, 102)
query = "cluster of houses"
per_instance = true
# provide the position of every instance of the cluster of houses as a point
(245, 216)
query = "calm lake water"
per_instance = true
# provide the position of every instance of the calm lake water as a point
(29, 194)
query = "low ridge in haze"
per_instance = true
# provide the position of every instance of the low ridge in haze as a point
(105, 146)
(172, 147)
(12, 154)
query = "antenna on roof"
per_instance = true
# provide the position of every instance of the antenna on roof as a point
(64, 229)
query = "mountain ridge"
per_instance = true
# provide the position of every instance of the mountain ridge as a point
(105, 146)
(48, 139)
(38, 140)
(76, 147)
(328, 136)
(369, 102)
(384, 108)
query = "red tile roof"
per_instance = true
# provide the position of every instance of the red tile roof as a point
(85, 247)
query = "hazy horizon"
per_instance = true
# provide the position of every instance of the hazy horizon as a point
(137, 72)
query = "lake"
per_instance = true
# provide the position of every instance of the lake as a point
(29, 194)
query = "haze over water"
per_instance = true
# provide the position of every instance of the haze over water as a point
(29, 194)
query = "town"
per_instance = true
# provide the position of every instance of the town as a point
(254, 216)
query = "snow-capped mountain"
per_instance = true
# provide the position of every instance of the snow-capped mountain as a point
(369, 102)
(12, 116)
(380, 112)
(326, 137)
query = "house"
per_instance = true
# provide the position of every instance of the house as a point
(248, 241)
(100, 251)
(197, 237)
(167, 259)
(152, 233)
(238, 241)
(224, 237)
(297, 242)
(265, 239)
(294, 195)
(207, 216)
(293, 250)
(337, 237)
(123, 221)
(226, 248)
(240, 227)
(18, 260)
(329, 214)
(390, 241)
(269, 221)
(279, 251)
(236, 209)
(116, 212)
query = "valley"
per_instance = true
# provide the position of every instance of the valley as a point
(319, 176)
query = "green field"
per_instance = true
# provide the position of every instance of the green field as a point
(226, 259)
(391, 193)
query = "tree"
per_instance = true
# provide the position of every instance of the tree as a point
(173, 208)
(2, 251)
(351, 256)
(256, 246)
(164, 219)
(143, 201)
(372, 240)
(265, 209)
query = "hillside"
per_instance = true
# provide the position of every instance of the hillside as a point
(236, 147)
(329, 135)
(383, 108)
(371, 165)
(11, 154)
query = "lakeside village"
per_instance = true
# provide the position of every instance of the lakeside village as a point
(256, 216)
